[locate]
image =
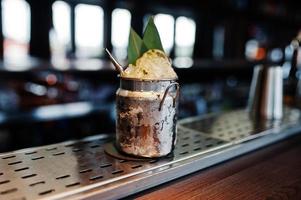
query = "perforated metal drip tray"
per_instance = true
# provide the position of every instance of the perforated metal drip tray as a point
(81, 169)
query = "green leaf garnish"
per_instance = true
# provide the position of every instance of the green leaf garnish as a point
(151, 37)
(151, 40)
(134, 47)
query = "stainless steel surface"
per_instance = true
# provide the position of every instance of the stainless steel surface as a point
(254, 92)
(81, 169)
(238, 126)
(146, 117)
(266, 93)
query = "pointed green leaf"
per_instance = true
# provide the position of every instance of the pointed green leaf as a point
(151, 37)
(135, 47)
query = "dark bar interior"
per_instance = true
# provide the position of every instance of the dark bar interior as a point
(57, 84)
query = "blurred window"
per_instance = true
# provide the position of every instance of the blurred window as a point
(218, 42)
(121, 23)
(88, 30)
(16, 28)
(60, 35)
(165, 24)
(184, 40)
(185, 36)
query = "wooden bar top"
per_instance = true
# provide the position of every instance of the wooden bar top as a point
(271, 173)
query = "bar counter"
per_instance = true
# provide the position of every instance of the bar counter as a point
(92, 168)
(270, 173)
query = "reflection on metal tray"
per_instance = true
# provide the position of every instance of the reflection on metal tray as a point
(81, 169)
(237, 125)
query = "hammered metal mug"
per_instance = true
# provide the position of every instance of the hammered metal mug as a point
(146, 117)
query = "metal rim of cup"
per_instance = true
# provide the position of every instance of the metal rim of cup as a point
(146, 80)
(146, 85)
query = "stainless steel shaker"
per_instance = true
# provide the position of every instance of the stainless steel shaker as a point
(266, 93)
(146, 116)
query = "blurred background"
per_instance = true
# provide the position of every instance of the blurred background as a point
(57, 84)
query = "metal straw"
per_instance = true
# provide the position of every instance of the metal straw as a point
(117, 66)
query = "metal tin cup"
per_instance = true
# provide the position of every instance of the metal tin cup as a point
(146, 117)
(266, 93)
